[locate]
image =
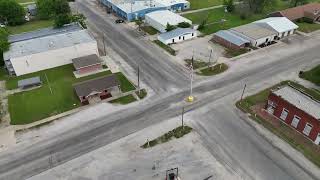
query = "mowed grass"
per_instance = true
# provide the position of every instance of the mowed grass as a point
(233, 19)
(199, 4)
(27, 107)
(312, 75)
(25, 1)
(214, 17)
(308, 27)
(30, 26)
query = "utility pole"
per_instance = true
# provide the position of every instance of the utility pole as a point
(244, 88)
(191, 98)
(182, 117)
(210, 58)
(104, 45)
(139, 79)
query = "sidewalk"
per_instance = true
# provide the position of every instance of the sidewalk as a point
(283, 146)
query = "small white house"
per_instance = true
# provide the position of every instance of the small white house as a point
(160, 19)
(282, 25)
(177, 35)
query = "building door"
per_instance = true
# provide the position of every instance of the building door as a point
(317, 141)
(182, 37)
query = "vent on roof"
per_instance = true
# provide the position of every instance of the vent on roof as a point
(51, 44)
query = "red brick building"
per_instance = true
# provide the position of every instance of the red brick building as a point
(87, 64)
(230, 40)
(297, 110)
(99, 88)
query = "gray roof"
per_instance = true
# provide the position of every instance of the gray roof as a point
(254, 31)
(29, 82)
(176, 32)
(86, 61)
(32, 7)
(299, 100)
(47, 43)
(231, 37)
(96, 85)
(44, 32)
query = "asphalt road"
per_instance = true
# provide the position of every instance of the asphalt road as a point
(159, 73)
(266, 162)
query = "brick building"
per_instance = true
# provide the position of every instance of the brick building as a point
(87, 64)
(97, 89)
(296, 109)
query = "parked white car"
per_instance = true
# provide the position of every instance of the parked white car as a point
(2, 25)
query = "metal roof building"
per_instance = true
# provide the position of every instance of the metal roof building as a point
(47, 48)
(253, 31)
(160, 19)
(132, 10)
(279, 24)
(177, 35)
(231, 37)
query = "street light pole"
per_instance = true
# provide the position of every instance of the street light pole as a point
(139, 79)
(182, 117)
(191, 98)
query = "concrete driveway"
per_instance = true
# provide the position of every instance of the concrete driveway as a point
(200, 48)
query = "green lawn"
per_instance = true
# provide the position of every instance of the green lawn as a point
(30, 106)
(199, 4)
(312, 75)
(142, 94)
(217, 69)
(124, 100)
(233, 19)
(150, 30)
(308, 27)
(25, 1)
(175, 133)
(125, 84)
(196, 63)
(30, 26)
(215, 16)
(165, 47)
(296, 140)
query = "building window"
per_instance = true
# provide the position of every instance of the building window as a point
(307, 129)
(284, 114)
(295, 121)
(192, 34)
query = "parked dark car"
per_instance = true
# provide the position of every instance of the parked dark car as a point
(119, 21)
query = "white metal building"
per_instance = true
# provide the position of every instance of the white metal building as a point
(177, 35)
(282, 25)
(40, 53)
(160, 19)
(256, 34)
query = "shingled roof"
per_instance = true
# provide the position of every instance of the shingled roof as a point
(311, 11)
(85, 61)
(96, 85)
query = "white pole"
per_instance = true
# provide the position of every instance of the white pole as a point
(191, 79)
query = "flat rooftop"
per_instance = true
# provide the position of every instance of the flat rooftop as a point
(299, 100)
(47, 43)
(254, 31)
(165, 16)
(231, 37)
(44, 32)
(138, 6)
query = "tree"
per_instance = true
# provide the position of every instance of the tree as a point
(184, 25)
(298, 2)
(257, 6)
(170, 27)
(45, 9)
(80, 18)
(61, 7)
(4, 44)
(61, 20)
(229, 5)
(11, 12)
